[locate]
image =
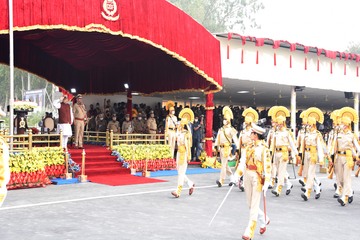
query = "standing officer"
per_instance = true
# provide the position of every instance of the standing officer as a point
(80, 119)
(196, 134)
(313, 150)
(170, 125)
(127, 125)
(281, 142)
(151, 124)
(183, 155)
(346, 149)
(66, 118)
(224, 139)
(251, 116)
(114, 125)
(255, 162)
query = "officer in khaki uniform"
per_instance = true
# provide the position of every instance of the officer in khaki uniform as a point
(255, 163)
(79, 122)
(114, 125)
(183, 155)
(224, 139)
(251, 116)
(346, 150)
(170, 125)
(127, 125)
(151, 124)
(312, 151)
(281, 142)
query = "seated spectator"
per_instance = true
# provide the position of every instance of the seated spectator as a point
(101, 124)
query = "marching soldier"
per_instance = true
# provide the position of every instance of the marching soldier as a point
(170, 125)
(346, 149)
(281, 142)
(4, 169)
(334, 116)
(224, 139)
(274, 165)
(303, 169)
(183, 155)
(251, 116)
(79, 122)
(313, 150)
(256, 165)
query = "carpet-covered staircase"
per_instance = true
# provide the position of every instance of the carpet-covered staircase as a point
(101, 167)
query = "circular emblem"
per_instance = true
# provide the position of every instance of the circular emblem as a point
(110, 8)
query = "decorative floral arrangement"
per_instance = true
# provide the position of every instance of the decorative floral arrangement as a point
(208, 162)
(24, 105)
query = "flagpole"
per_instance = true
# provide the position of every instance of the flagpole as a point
(11, 64)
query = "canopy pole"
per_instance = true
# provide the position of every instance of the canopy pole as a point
(356, 107)
(293, 110)
(11, 64)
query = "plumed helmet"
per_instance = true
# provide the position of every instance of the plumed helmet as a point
(315, 113)
(227, 113)
(250, 115)
(349, 113)
(335, 116)
(280, 113)
(302, 116)
(271, 112)
(170, 105)
(187, 114)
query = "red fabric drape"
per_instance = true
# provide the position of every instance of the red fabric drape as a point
(129, 103)
(258, 42)
(276, 46)
(152, 42)
(209, 123)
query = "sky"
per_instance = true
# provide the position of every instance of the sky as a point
(328, 24)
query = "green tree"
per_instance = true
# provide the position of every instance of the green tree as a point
(222, 15)
(354, 47)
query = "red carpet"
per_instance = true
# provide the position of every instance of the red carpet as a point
(101, 167)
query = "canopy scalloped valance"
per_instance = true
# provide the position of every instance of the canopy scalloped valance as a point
(98, 45)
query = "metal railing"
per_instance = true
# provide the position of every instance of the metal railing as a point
(135, 138)
(26, 142)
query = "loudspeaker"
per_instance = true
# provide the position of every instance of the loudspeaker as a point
(349, 95)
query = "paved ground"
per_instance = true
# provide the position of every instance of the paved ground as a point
(148, 211)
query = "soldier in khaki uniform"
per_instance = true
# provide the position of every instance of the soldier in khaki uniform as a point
(346, 149)
(139, 125)
(224, 139)
(151, 124)
(127, 125)
(170, 125)
(183, 155)
(251, 116)
(79, 122)
(312, 151)
(334, 116)
(281, 142)
(274, 165)
(114, 125)
(255, 163)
